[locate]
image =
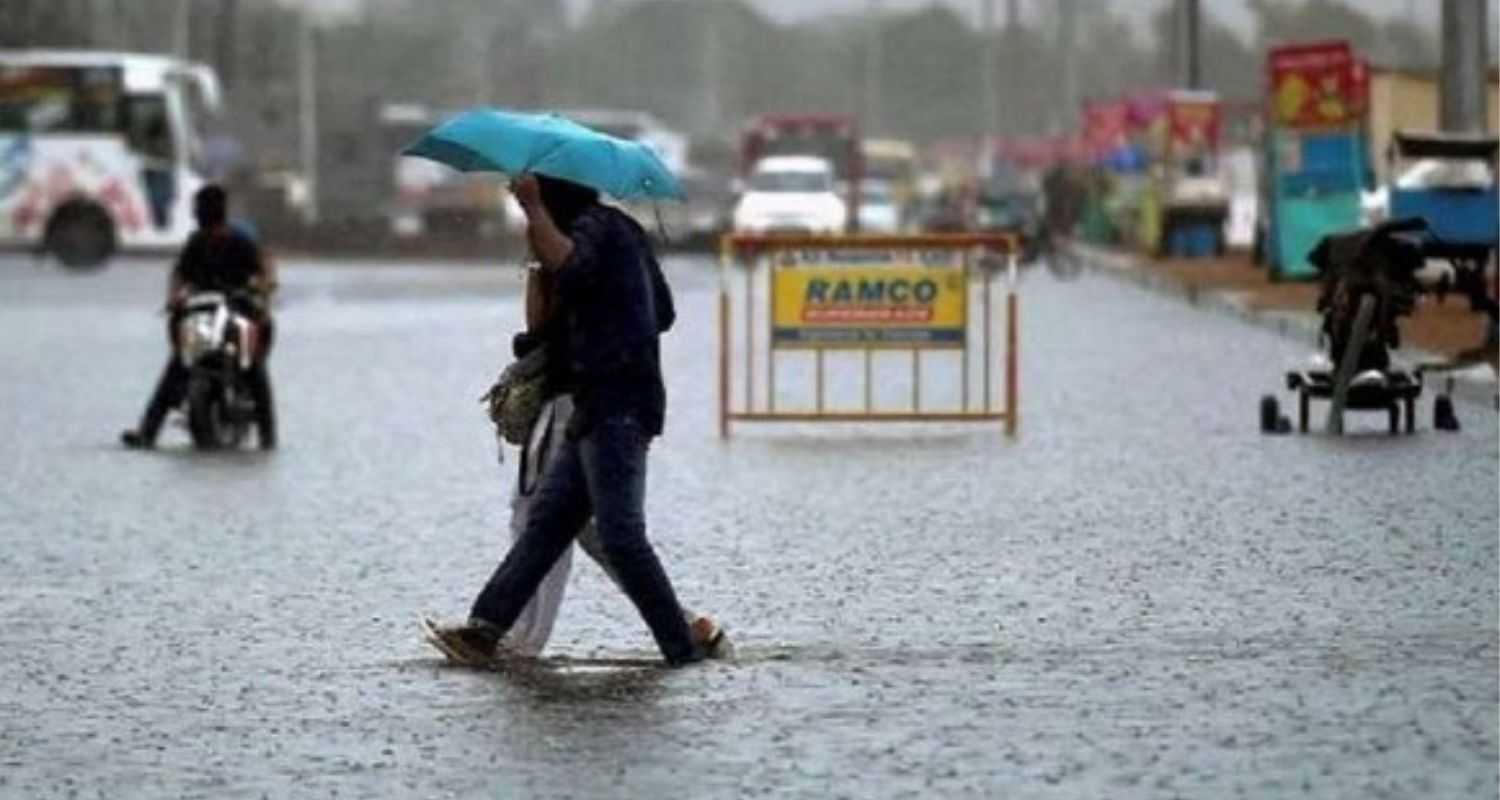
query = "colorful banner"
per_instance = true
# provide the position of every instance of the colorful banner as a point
(1106, 126)
(836, 297)
(1144, 109)
(1193, 122)
(1313, 84)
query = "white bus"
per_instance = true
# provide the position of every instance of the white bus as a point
(98, 151)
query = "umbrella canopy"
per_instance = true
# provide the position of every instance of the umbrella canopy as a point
(513, 142)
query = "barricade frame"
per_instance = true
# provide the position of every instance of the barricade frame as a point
(738, 249)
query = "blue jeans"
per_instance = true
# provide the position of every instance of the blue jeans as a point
(603, 474)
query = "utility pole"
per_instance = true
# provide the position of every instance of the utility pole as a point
(1189, 65)
(227, 42)
(871, 121)
(1067, 48)
(100, 26)
(1465, 42)
(712, 108)
(182, 21)
(307, 92)
(991, 104)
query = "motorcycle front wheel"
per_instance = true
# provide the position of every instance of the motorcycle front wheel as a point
(210, 418)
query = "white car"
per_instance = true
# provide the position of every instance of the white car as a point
(877, 211)
(791, 194)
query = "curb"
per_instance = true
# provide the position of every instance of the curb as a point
(1297, 325)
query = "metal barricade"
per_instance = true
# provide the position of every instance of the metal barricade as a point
(869, 296)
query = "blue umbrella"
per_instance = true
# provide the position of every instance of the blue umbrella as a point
(512, 142)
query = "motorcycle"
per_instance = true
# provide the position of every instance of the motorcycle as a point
(218, 344)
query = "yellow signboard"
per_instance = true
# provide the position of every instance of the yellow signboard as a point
(863, 297)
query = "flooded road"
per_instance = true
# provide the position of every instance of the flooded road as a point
(1138, 597)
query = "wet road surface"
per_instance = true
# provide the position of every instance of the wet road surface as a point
(1139, 597)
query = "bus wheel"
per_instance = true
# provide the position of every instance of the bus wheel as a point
(81, 235)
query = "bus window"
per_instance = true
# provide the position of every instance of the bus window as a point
(59, 99)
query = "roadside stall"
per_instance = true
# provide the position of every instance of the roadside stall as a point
(1190, 187)
(1315, 158)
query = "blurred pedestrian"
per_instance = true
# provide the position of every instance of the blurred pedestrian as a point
(612, 305)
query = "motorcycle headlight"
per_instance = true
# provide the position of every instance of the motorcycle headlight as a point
(195, 336)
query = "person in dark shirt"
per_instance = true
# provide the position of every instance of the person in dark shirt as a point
(612, 304)
(216, 258)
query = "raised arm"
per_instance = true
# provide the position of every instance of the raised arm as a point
(551, 245)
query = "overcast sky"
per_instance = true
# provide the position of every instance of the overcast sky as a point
(1233, 12)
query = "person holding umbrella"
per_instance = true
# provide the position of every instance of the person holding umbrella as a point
(544, 439)
(613, 303)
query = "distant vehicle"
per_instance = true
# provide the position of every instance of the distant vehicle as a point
(878, 212)
(893, 163)
(1450, 181)
(707, 212)
(791, 194)
(945, 211)
(832, 137)
(99, 151)
(1011, 209)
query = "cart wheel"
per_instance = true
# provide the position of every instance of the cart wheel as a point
(1443, 416)
(1270, 414)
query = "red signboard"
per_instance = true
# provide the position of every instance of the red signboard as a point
(1193, 120)
(1312, 84)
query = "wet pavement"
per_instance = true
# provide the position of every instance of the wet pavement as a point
(1139, 597)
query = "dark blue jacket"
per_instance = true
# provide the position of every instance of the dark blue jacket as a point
(613, 303)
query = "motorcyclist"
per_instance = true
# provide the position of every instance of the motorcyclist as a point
(216, 258)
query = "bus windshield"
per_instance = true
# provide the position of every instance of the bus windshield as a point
(36, 99)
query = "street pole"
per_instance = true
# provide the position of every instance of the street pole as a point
(226, 43)
(484, 33)
(871, 122)
(990, 105)
(1067, 44)
(1195, 45)
(1465, 42)
(1190, 74)
(181, 28)
(712, 82)
(307, 91)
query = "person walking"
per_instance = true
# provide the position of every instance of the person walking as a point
(533, 628)
(612, 305)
